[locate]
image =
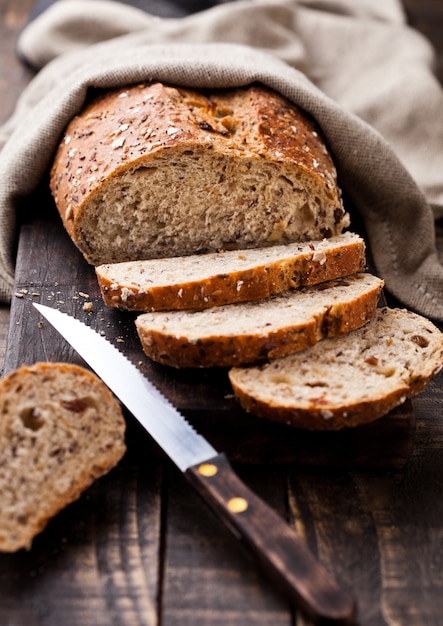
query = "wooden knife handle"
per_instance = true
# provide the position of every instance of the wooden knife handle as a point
(283, 555)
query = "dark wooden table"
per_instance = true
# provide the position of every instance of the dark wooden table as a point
(140, 548)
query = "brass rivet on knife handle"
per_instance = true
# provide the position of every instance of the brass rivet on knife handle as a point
(237, 505)
(207, 469)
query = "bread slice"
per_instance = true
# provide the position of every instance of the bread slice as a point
(207, 280)
(60, 429)
(349, 380)
(265, 329)
(153, 170)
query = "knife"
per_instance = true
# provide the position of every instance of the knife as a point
(281, 553)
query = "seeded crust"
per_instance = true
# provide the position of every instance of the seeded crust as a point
(266, 329)
(60, 429)
(346, 381)
(154, 171)
(208, 280)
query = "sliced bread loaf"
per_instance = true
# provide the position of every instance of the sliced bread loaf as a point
(265, 329)
(153, 170)
(207, 280)
(60, 429)
(349, 380)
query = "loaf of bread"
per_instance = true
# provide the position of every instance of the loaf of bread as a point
(213, 279)
(349, 380)
(60, 429)
(265, 329)
(153, 171)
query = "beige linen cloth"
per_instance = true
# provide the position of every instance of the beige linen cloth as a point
(353, 64)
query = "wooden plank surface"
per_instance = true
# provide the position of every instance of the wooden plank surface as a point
(140, 548)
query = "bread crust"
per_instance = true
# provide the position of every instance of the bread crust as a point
(405, 363)
(60, 430)
(298, 266)
(357, 414)
(130, 130)
(165, 344)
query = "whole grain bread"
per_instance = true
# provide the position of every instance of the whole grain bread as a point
(346, 381)
(60, 429)
(153, 171)
(265, 329)
(214, 279)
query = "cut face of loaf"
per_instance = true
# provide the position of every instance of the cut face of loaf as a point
(265, 329)
(349, 380)
(208, 280)
(155, 171)
(60, 429)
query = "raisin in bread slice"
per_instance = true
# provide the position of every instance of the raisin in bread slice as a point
(153, 170)
(60, 429)
(264, 329)
(346, 381)
(207, 280)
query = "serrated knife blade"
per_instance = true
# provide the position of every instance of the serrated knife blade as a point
(283, 555)
(176, 436)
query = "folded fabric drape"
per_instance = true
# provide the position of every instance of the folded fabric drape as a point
(353, 64)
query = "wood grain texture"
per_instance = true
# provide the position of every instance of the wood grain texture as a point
(381, 532)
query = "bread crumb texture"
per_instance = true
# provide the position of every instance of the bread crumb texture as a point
(265, 329)
(60, 429)
(154, 171)
(206, 280)
(349, 380)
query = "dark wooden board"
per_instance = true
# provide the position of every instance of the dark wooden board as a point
(140, 532)
(139, 543)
